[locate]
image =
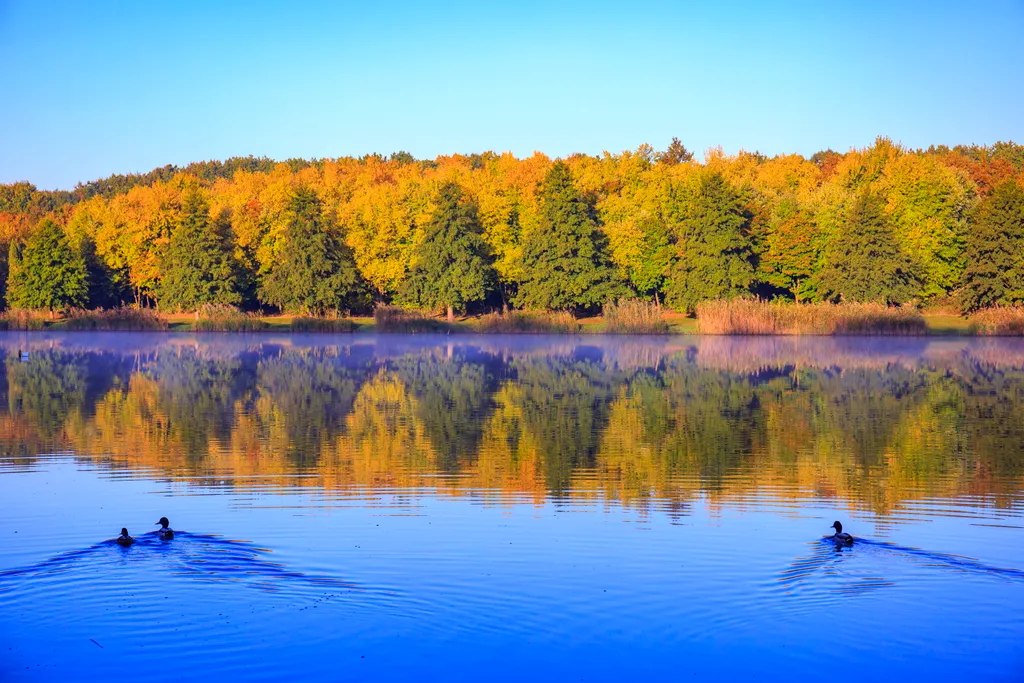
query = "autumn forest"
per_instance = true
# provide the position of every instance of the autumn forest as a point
(479, 232)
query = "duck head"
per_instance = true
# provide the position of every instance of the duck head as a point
(164, 523)
(838, 527)
(124, 532)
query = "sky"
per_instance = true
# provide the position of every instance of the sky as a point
(92, 89)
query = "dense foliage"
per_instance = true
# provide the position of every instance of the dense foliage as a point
(565, 265)
(865, 264)
(316, 273)
(450, 266)
(995, 257)
(198, 264)
(713, 259)
(47, 272)
(882, 223)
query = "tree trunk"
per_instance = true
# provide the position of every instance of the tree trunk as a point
(451, 314)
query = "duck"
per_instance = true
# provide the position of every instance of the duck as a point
(841, 536)
(165, 531)
(124, 540)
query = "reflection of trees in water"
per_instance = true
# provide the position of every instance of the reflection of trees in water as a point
(51, 385)
(312, 393)
(454, 396)
(991, 401)
(197, 395)
(700, 421)
(878, 432)
(566, 402)
(858, 411)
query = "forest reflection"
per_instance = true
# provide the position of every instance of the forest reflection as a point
(877, 424)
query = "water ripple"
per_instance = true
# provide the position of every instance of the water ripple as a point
(199, 556)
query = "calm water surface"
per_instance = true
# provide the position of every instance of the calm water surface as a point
(488, 508)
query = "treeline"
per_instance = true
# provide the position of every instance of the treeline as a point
(486, 231)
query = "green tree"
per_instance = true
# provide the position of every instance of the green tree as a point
(995, 251)
(198, 266)
(863, 262)
(675, 154)
(108, 287)
(647, 273)
(450, 266)
(565, 262)
(715, 257)
(47, 273)
(315, 272)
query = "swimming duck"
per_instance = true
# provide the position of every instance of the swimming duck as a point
(124, 540)
(165, 531)
(840, 536)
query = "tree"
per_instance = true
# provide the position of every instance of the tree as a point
(450, 265)
(789, 250)
(198, 266)
(315, 272)
(995, 251)
(47, 273)
(565, 264)
(714, 254)
(863, 262)
(108, 287)
(675, 154)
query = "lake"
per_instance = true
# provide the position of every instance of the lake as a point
(585, 508)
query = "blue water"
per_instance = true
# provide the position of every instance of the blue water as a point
(397, 553)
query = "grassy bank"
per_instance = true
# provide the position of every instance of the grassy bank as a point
(734, 318)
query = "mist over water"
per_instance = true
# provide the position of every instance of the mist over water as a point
(460, 508)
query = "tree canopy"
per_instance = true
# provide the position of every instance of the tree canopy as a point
(864, 262)
(47, 272)
(995, 256)
(451, 265)
(565, 265)
(559, 234)
(316, 274)
(198, 266)
(714, 258)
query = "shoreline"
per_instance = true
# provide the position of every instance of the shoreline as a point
(938, 325)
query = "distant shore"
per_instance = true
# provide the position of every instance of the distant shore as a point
(937, 324)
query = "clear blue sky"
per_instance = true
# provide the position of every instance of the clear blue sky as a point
(95, 88)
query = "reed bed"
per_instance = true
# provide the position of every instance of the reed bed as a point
(24, 319)
(1005, 321)
(528, 322)
(396, 319)
(223, 318)
(754, 316)
(124, 319)
(634, 316)
(306, 323)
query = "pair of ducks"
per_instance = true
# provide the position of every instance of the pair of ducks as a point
(166, 533)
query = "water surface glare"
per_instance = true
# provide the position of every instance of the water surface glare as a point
(381, 508)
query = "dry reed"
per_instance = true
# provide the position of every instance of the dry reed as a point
(395, 319)
(24, 319)
(1006, 321)
(634, 316)
(124, 318)
(528, 322)
(306, 323)
(224, 318)
(754, 316)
